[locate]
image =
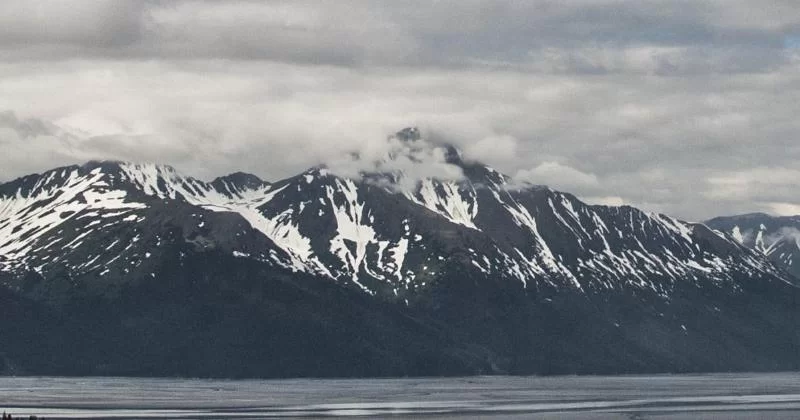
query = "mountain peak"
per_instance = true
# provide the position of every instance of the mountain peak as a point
(412, 136)
(240, 180)
(408, 134)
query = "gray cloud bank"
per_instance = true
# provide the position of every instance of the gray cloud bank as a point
(684, 107)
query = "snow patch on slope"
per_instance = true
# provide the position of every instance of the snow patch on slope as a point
(448, 199)
(27, 218)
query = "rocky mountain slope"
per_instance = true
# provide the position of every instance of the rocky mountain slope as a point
(119, 268)
(777, 237)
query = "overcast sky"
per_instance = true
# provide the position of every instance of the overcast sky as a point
(685, 107)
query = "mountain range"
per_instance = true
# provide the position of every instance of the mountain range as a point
(115, 268)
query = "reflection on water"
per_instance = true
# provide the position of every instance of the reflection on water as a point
(735, 396)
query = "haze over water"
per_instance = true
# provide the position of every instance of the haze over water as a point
(732, 396)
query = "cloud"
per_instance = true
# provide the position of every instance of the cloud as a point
(558, 176)
(401, 162)
(755, 184)
(605, 201)
(784, 209)
(24, 129)
(41, 27)
(784, 233)
(582, 36)
(493, 149)
(35, 143)
(677, 106)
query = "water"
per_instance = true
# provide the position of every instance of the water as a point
(728, 396)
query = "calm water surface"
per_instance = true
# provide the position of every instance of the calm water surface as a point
(729, 396)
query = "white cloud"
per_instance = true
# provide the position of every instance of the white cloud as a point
(409, 160)
(557, 176)
(605, 201)
(756, 184)
(785, 209)
(493, 149)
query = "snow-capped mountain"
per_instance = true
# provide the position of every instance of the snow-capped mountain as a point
(104, 216)
(362, 233)
(777, 237)
(475, 268)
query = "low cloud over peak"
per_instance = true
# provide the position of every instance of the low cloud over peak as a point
(406, 156)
